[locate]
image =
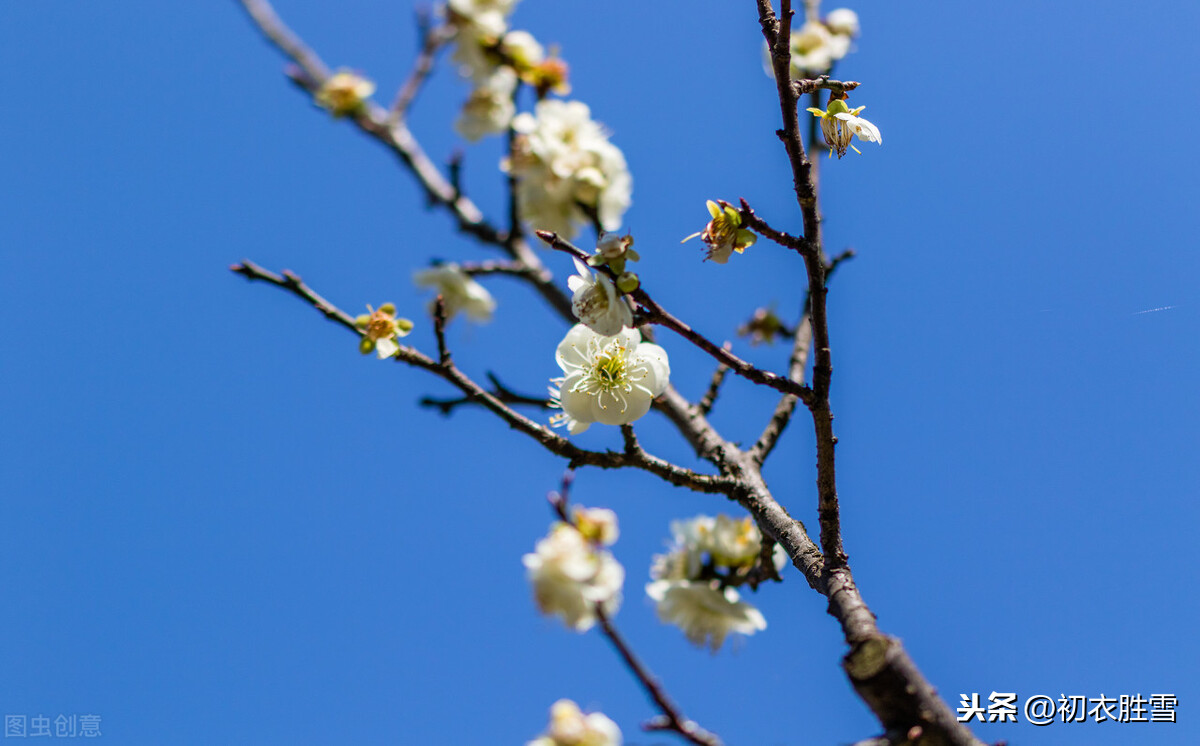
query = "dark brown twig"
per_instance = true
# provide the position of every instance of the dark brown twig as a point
(671, 719)
(714, 386)
(498, 390)
(439, 329)
(882, 673)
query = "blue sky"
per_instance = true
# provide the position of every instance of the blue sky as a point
(221, 524)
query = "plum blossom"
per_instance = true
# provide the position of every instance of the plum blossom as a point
(459, 291)
(380, 328)
(571, 575)
(597, 302)
(724, 234)
(840, 124)
(607, 379)
(570, 727)
(490, 107)
(566, 168)
(344, 93)
(690, 590)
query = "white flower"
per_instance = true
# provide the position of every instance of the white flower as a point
(490, 107)
(812, 50)
(523, 49)
(597, 302)
(458, 290)
(843, 22)
(840, 124)
(610, 380)
(570, 576)
(705, 614)
(598, 525)
(570, 727)
(479, 26)
(561, 159)
(735, 543)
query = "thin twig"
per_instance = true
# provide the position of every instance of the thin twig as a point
(498, 390)
(714, 386)
(672, 719)
(439, 329)
(432, 38)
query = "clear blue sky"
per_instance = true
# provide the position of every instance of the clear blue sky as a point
(221, 524)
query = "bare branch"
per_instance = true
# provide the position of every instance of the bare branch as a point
(432, 38)
(714, 386)
(439, 329)
(671, 719)
(499, 390)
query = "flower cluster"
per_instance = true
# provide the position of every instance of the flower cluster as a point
(724, 234)
(344, 93)
(817, 45)
(572, 573)
(567, 171)
(693, 582)
(570, 727)
(458, 290)
(597, 303)
(380, 329)
(606, 379)
(840, 124)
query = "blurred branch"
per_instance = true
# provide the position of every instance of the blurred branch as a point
(432, 38)
(672, 719)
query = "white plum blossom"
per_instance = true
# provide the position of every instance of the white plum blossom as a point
(479, 26)
(490, 107)
(705, 613)
(842, 22)
(344, 93)
(597, 525)
(570, 727)
(380, 329)
(522, 49)
(692, 595)
(459, 291)
(840, 125)
(562, 159)
(597, 302)
(607, 379)
(571, 575)
(813, 50)
(724, 234)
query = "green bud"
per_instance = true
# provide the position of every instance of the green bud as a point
(366, 345)
(628, 282)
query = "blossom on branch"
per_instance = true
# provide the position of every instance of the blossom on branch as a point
(724, 234)
(689, 587)
(572, 574)
(607, 379)
(490, 108)
(817, 45)
(344, 93)
(479, 25)
(840, 124)
(570, 727)
(706, 613)
(459, 291)
(380, 328)
(566, 169)
(597, 302)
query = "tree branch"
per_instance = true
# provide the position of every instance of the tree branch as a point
(550, 440)
(432, 39)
